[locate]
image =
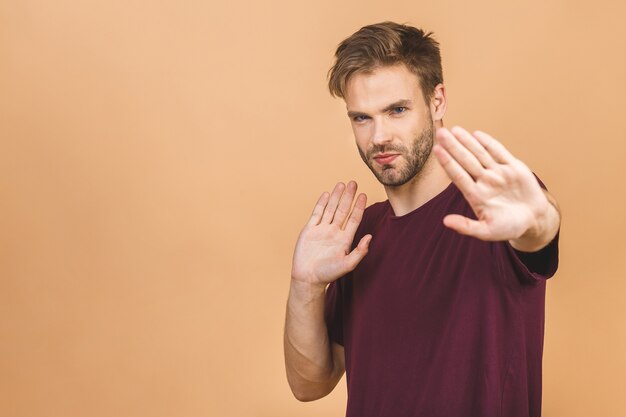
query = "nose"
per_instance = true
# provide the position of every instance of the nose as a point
(380, 131)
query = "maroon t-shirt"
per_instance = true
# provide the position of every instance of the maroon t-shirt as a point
(437, 324)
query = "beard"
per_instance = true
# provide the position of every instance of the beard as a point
(396, 175)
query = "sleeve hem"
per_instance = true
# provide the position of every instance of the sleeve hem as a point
(536, 266)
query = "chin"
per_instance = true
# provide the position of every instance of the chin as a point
(391, 180)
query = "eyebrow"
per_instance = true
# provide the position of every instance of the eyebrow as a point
(399, 103)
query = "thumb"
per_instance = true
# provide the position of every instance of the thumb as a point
(466, 226)
(354, 257)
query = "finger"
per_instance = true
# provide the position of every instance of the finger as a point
(466, 226)
(331, 207)
(460, 153)
(497, 150)
(472, 145)
(357, 214)
(358, 253)
(318, 210)
(345, 203)
(457, 174)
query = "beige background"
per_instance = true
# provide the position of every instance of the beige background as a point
(157, 160)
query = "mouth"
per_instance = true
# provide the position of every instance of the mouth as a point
(385, 158)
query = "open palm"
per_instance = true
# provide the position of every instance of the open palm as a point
(322, 253)
(502, 191)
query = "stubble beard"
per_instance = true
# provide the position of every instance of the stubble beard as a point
(395, 176)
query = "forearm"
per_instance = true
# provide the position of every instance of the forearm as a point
(308, 356)
(545, 227)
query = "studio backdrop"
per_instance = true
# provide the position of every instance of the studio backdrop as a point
(158, 160)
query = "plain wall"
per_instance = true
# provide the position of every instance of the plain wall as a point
(158, 159)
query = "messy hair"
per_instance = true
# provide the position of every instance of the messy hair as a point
(386, 44)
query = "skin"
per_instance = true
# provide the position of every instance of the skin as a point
(389, 116)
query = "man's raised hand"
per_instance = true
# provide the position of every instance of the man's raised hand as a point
(322, 254)
(504, 194)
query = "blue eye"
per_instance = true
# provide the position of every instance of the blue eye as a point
(400, 109)
(359, 118)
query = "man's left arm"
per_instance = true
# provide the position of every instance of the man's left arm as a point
(547, 223)
(509, 203)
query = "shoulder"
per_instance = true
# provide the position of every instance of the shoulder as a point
(376, 212)
(372, 218)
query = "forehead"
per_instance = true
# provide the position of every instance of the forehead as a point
(374, 90)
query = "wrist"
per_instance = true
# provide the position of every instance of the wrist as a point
(306, 290)
(543, 228)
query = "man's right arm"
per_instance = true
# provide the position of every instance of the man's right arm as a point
(322, 255)
(314, 364)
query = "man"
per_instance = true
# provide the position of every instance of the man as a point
(436, 299)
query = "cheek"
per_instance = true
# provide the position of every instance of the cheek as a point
(361, 136)
(362, 147)
(409, 126)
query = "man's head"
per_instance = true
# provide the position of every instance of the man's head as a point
(386, 44)
(391, 80)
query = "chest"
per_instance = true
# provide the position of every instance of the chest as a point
(423, 276)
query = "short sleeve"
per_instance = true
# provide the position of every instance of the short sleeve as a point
(532, 267)
(333, 312)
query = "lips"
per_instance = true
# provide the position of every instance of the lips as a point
(385, 158)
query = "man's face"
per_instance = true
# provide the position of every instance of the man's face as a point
(391, 122)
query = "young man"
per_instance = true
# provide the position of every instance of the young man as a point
(436, 299)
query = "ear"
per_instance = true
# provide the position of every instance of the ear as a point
(438, 103)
